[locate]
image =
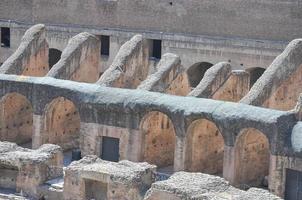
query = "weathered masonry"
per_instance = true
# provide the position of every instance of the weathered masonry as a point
(248, 34)
(102, 110)
(140, 106)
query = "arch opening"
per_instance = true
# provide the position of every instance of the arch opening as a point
(16, 120)
(159, 141)
(196, 72)
(252, 156)
(62, 124)
(255, 74)
(53, 57)
(205, 148)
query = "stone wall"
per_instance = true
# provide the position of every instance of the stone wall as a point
(159, 139)
(79, 60)
(259, 19)
(234, 88)
(204, 143)
(192, 49)
(278, 88)
(30, 168)
(163, 129)
(122, 180)
(61, 124)
(167, 70)
(252, 159)
(125, 108)
(129, 67)
(184, 185)
(31, 57)
(271, 89)
(212, 81)
(91, 135)
(204, 148)
(16, 119)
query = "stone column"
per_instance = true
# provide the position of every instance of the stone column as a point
(38, 129)
(179, 153)
(135, 143)
(229, 166)
(277, 175)
(88, 139)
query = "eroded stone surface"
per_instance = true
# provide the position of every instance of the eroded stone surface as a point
(25, 169)
(122, 180)
(197, 186)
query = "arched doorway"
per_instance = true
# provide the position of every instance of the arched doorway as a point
(251, 159)
(255, 74)
(159, 140)
(62, 124)
(16, 120)
(53, 57)
(196, 72)
(205, 148)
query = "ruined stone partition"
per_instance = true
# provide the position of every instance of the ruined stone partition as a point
(278, 87)
(31, 57)
(128, 115)
(93, 178)
(191, 40)
(204, 142)
(79, 60)
(167, 70)
(130, 66)
(234, 88)
(198, 186)
(180, 85)
(221, 83)
(212, 80)
(25, 170)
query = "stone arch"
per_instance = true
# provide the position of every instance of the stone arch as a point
(196, 72)
(255, 74)
(16, 119)
(252, 157)
(62, 123)
(53, 57)
(204, 148)
(159, 139)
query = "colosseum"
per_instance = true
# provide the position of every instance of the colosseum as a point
(150, 100)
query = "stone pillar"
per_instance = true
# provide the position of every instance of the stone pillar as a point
(277, 175)
(88, 139)
(74, 186)
(135, 146)
(38, 129)
(179, 153)
(229, 167)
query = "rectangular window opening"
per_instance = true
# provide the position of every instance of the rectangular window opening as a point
(105, 45)
(5, 37)
(156, 49)
(110, 149)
